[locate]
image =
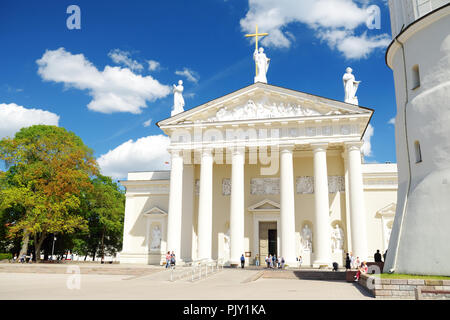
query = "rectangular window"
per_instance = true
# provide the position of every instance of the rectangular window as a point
(418, 152)
(415, 77)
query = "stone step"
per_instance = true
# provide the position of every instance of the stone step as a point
(84, 269)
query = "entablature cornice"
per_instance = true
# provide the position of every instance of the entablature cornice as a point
(363, 118)
(145, 187)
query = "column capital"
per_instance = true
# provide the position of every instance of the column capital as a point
(319, 147)
(236, 150)
(174, 152)
(353, 145)
(286, 147)
(206, 151)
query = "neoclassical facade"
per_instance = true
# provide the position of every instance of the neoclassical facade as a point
(263, 170)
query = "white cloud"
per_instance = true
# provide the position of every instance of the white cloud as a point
(14, 117)
(354, 47)
(333, 20)
(114, 89)
(147, 123)
(392, 121)
(123, 58)
(153, 65)
(145, 154)
(367, 146)
(189, 74)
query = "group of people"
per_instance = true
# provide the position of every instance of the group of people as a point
(273, 262)
(23, 258)
(170, 259)
(354, 263)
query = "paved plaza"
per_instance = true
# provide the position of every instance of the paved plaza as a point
(154, 283)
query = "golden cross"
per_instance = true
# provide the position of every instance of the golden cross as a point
(256, 35)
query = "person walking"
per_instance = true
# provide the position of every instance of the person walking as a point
(274, 261)
(242, 261)
(282, 262)
(348, 262)
(172, 260)
(257, 260)
(300, 261)
(167, 259)
(15, 258)
(31, 258)
(352, 261)
(270, 261)
(267, 262)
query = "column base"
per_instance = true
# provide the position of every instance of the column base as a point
(291, 264)
(234, 264)
(203, 260)
(321, 264)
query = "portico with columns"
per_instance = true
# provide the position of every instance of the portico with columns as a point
(250, 170)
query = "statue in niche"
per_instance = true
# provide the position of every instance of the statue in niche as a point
(307, 238)
(337, 238)
(350, 86)
(156, 238)
(178, 100)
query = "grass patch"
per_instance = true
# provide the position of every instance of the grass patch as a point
(409, 276)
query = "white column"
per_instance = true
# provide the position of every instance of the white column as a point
(347, 205)
(204, 243)
(175, 204)
(187, 226)
(237, 206)
(321, 235)
(287, 204)
(357, 207)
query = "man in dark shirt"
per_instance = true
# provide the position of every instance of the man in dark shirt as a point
(377, 256)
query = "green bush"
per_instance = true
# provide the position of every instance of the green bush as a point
(4, 256)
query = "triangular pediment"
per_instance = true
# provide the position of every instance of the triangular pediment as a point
(264, 101)
(155, 211)
(265, 206)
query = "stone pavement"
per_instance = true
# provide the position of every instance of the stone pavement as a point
(235, 284)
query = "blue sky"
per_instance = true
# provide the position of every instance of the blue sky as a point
(99, 82)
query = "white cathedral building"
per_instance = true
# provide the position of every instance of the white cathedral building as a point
(262, 170)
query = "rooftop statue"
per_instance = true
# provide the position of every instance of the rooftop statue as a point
(350, 86)
(178, 100)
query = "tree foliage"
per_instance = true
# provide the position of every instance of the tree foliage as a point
(48, 174)
(104, 207)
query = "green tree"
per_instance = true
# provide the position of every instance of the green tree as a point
(49, 171)
(104, 207)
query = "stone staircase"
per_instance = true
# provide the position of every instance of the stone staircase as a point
(300, 274)
(324, 275)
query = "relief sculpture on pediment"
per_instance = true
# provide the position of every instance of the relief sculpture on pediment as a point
(252, 110)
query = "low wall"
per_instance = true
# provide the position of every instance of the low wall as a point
(406, 288)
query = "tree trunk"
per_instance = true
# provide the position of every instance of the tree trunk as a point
(38, 245)
(25, 240)
(103, 245)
